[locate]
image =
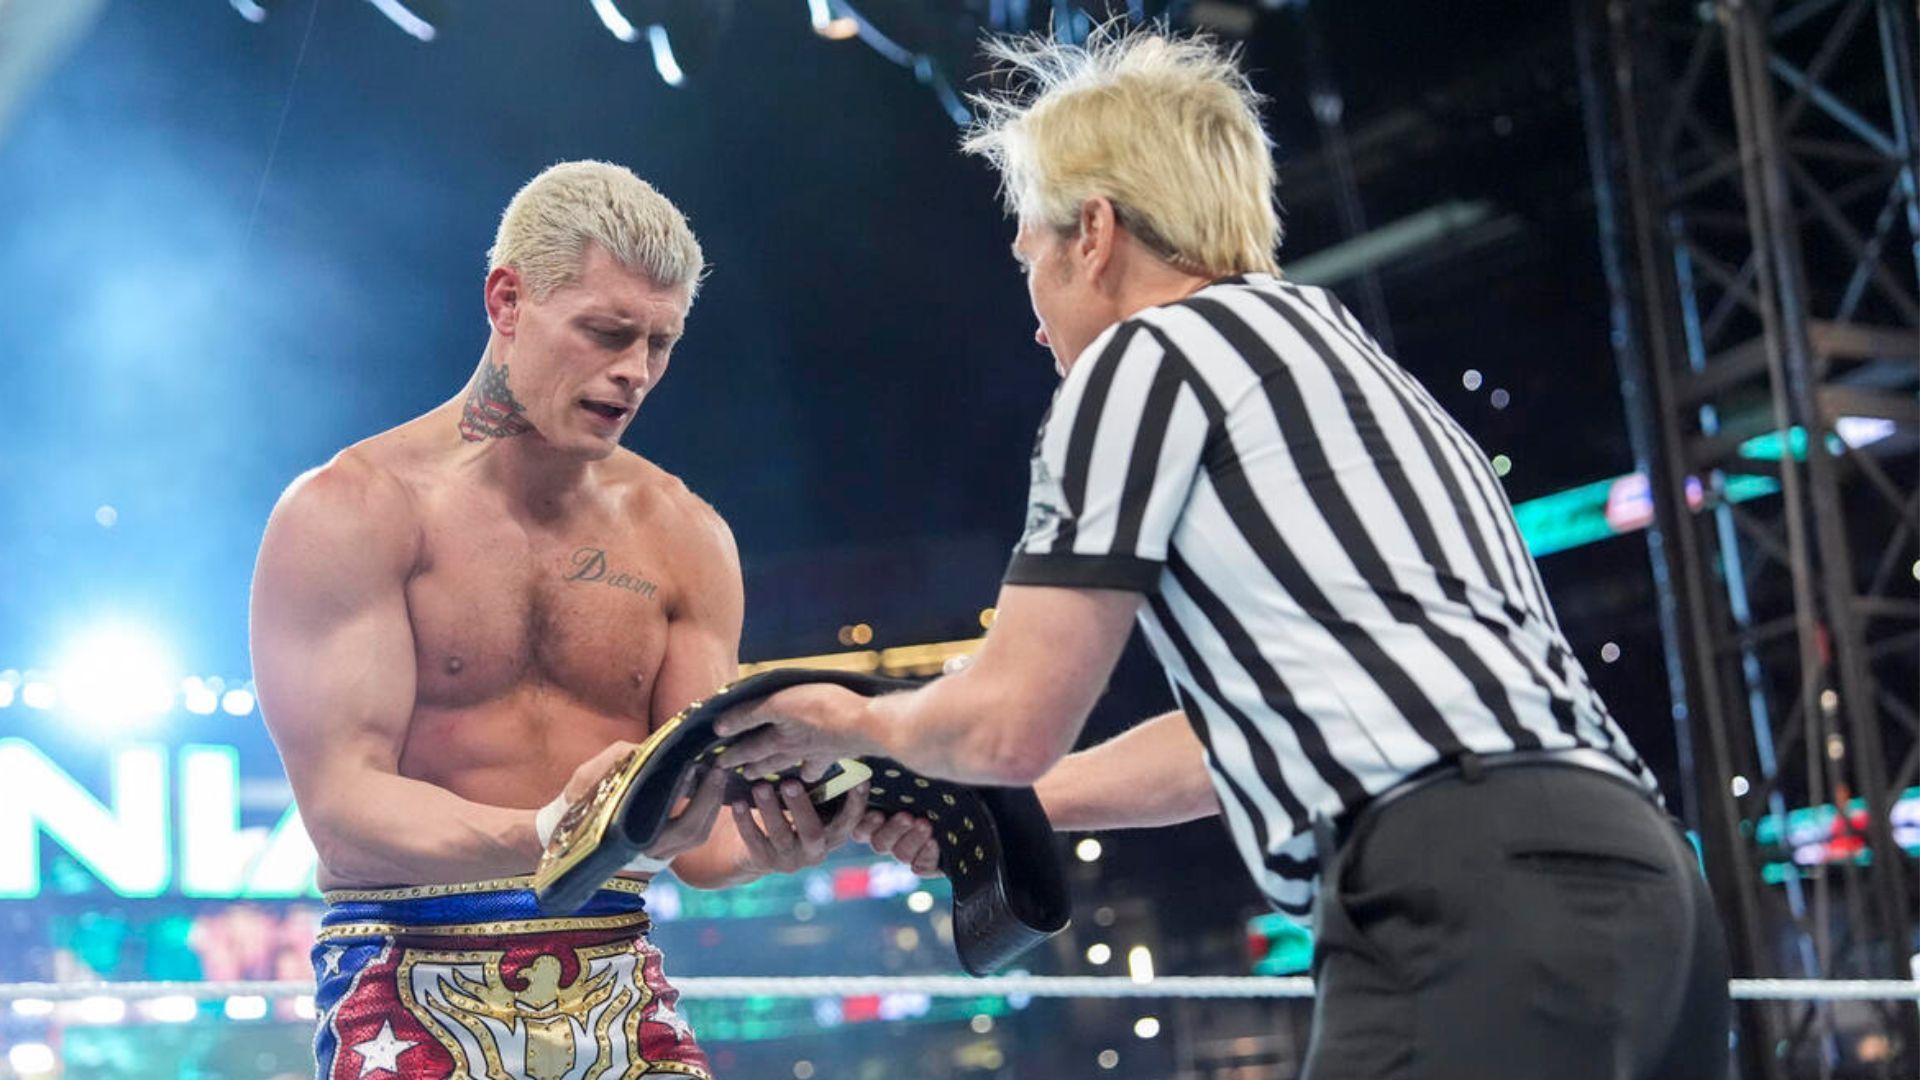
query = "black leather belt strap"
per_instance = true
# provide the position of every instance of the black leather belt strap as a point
(996, 844)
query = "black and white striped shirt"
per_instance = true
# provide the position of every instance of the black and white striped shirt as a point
(1335, 582)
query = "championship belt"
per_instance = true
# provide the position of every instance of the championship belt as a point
(996, 844)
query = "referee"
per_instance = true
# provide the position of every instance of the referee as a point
(1374, 691)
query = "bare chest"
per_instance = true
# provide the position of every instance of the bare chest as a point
(498, 610)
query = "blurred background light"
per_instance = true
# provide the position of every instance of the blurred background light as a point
(100, 1010)
(1140, 964)
(246, 1007)
(237, 702)
(172, 1009)
(31, 1058)
(115, 674)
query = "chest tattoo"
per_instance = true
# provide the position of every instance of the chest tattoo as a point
(590, 567)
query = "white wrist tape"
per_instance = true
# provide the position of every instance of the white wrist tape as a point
(547, 818)
(646, 864)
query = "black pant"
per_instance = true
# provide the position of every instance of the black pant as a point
(1540, 922)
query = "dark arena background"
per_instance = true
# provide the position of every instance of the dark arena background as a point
(1659, 259)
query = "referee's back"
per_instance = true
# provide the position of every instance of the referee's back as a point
(1336, 583)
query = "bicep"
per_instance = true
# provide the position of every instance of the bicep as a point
(703, 634)
(333, 652)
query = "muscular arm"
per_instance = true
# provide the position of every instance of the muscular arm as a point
(703, 654)
(1152, 774)
(333, 661)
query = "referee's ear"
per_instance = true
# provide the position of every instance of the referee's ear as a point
(1099, 231)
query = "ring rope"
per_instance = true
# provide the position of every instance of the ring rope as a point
(954, 986)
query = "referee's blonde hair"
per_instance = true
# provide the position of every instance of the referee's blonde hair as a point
(1166, 128)
(546, 229)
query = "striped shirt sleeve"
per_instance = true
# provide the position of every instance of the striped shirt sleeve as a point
(1112, 468)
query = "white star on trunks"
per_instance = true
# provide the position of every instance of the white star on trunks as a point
(330, 960)
(382, 1052)
(668, 1015)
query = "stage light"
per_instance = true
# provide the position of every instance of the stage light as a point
(1108, 1059)
(250, 11)
(1140, 964)
(803, 1070)
(616, 23)
(920, 901)
(32, 1007)
(1609, 653)
(172, 1009)
(246, 1007)
(1740, 786)
(421, 19)
(1502, 464)
(303, 1007)
(981, 1024)
(199, 698)
(827, 25)
(116, 673)
(237, 702)
(1470, 380)
(1859, 431)
(39, 694)
(1087, 850)
(100, 1010)
(663, 58)
(1099, 953)
(1500, 398)
(987, 615)
(31, 1058)
(106, 517)
(1146, 1027)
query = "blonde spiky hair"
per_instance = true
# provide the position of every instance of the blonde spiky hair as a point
(546, 229)
(1167, 128)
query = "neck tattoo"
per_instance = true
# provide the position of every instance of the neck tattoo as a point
(491, 411)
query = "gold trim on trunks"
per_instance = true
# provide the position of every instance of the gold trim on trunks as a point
(634, 919)
(464, 888)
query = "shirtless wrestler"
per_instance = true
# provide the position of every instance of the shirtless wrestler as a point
(466, 616)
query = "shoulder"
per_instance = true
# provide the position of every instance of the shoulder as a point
(355, 506)
(656, 495)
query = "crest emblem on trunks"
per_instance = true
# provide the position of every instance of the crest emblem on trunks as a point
(533, 1022)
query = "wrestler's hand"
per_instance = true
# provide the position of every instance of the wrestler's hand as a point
(788, 835)
(903, 836)
(811, 726)
(688, 827)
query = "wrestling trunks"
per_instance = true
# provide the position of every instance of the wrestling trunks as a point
(472, 981)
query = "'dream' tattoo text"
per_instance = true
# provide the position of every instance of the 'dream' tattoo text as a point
(590, 567)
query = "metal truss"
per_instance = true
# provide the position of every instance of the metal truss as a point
(1756, 167)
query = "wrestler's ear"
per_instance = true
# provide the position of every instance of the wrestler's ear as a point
(503, 296)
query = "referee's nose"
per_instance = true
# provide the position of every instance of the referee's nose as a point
(1040, 335)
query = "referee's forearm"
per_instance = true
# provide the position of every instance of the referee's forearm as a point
(969, 729)
(1153, 774)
